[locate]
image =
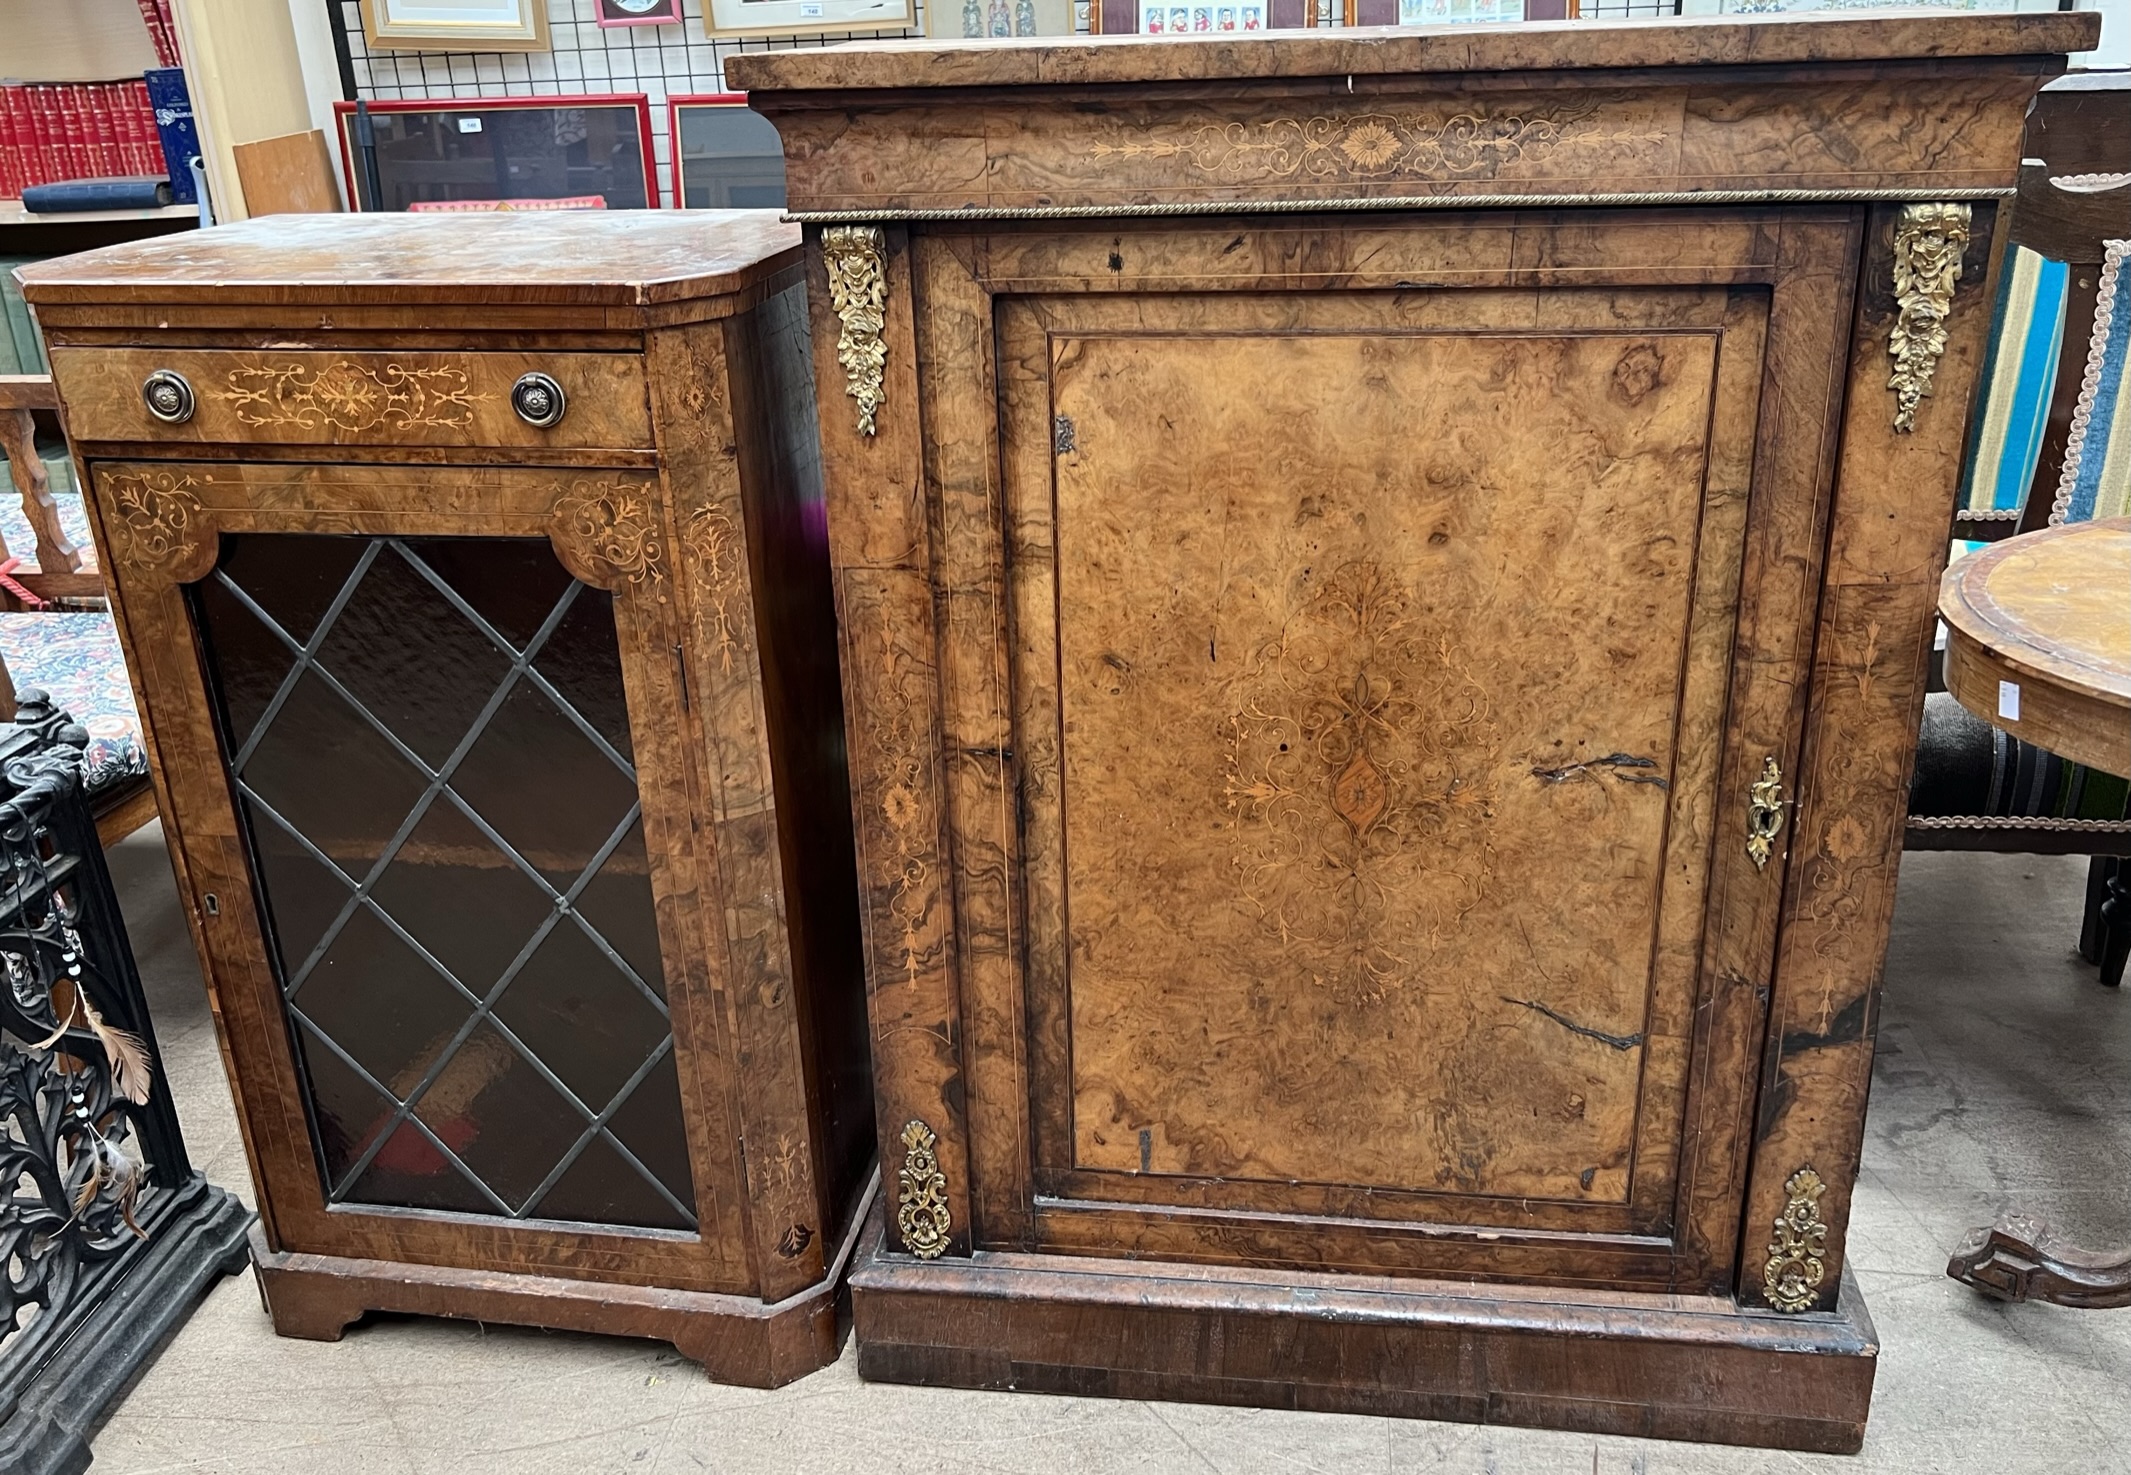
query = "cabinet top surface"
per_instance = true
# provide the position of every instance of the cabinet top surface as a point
(620, 258)
(1382, 50)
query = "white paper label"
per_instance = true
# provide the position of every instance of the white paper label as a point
(469, 125)
(2009, 700)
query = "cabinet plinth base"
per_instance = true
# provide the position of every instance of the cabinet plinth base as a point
(1661, 1367)
(736, 1338)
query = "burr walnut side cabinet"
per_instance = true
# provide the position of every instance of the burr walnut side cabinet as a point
(1384, 579)
(472, 575)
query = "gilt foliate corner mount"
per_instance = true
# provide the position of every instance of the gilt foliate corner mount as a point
(854, 257)
(921, 1194)
(1798, 1252)
(1928, 242)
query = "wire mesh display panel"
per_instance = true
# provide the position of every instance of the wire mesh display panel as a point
(660, 61)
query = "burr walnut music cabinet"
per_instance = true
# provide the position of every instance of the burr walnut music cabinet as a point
(1384, 580)
(472, 576)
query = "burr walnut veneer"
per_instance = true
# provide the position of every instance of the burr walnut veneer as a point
(1384, 580)
(472, 575)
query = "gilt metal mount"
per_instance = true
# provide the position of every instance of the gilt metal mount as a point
(1764, 813)
(1928, 242)
(1797, 1255)
(855, 258)
(921, 1194)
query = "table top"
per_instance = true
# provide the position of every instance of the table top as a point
(626, 258)
(2048, 614)
(1224, 57)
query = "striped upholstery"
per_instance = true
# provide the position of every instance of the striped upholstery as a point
(2097, 460)
(2027, 333)
(1964, 766)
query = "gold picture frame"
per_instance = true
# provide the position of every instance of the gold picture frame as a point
(806, 17)
(455, 25)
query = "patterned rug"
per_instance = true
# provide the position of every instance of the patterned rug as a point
(2097, 460)
(76, 659)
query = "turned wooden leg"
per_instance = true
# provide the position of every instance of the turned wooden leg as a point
(2116, 926)
(2099, 869)
(2018, 1259)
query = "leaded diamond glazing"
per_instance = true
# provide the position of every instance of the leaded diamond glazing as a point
(429, 743)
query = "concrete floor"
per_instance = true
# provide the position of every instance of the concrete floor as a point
(2004, 1078)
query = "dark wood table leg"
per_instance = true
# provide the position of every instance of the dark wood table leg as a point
(2018, 1259)
(2116, 925)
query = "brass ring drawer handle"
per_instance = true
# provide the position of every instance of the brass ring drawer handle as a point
(538, 400)
(168, 396)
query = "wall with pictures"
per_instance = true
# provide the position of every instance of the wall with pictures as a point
(665, 61)
(584, 57)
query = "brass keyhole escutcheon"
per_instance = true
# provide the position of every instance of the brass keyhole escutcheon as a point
(1764, 813)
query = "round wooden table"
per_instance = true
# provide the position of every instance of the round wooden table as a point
(2039, 644)
(2039, 639)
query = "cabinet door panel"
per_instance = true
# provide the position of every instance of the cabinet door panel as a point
(1375, 660)
(415, 774)
(1325, 718)
(1328, 713)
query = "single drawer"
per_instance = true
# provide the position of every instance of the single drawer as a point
(309, 397)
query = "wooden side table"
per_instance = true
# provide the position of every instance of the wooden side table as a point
(2039, 643)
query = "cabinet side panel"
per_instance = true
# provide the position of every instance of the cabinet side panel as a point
(795, 614)
(880, 547)
(1887, 545)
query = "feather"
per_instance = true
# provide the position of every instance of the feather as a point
(64, 1025)
(125, 1174)
(86, 1194)
(131, 1071)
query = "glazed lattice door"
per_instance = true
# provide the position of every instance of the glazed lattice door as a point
(434, 838)
(1371, 881)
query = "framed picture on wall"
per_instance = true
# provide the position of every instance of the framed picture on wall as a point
(638, 12)
(1199, 17)
(725, 155)
(456, 25)
(498, 152)
(1434, 12)
(799, 17)
(959, 20)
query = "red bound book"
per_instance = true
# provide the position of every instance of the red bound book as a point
(95, 129)
(65, 119)
(80, 151)
(44, 140)
(111, 126)
(10, 147)
(147, 143)
(162, 29)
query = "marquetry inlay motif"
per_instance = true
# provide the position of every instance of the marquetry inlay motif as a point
(720, 556)
(1346, 785)
(156, 512)
(1928, 243)
(350, 396)
(858, 290)
(1797, 1255)
(610, 526)
(1382, 145)
(921, 1194)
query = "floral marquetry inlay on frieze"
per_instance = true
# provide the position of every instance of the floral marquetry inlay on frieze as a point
(610, 530)
(1388, 144)
(157, 515)
(349, 396)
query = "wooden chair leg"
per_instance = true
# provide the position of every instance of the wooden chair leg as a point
(2099, 869)
(18, 438)
(2116, 926)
